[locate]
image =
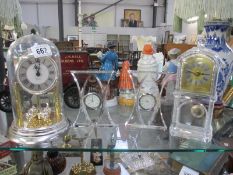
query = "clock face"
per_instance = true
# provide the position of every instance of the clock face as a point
(198, 111)
(37, 75)
(147, 102)
(92, 101)
(197, 74)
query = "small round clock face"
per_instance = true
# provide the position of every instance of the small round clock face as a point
(37, 75)
(198, 111)
(197, 74)
(147, 102)
(92, 101)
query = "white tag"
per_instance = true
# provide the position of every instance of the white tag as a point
(41, 50)
(187, 171)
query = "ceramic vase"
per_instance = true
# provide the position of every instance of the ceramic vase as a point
(216, 40)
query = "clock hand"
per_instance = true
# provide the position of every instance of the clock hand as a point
(197, 73)
(191, 71)
(204, 74)
(37, 67)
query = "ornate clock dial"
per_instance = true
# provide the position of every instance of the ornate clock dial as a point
(197, 74)
(147, 102)
(92, 101)
(37, 75)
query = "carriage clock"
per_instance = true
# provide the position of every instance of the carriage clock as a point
(195, 95)
(36, 90)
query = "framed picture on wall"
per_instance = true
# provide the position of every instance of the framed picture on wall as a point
(167, 33)
(133, 16)
(170, 38)
(124, 23)
(72, 37)
(140, 23)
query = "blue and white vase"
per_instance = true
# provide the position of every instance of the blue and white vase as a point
(216, 40)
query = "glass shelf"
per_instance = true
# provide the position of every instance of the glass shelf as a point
(128, 139)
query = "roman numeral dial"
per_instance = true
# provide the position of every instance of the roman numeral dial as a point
(197, 74)
(37, 75)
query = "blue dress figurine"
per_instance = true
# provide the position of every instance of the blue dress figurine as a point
(109, 62)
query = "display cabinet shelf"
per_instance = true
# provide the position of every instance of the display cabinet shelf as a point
(128, 139)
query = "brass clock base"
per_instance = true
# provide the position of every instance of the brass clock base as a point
(36, 136)
(84, 168)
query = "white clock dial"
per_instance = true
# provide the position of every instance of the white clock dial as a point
(147, 102)
(92, 101)
(37, 75)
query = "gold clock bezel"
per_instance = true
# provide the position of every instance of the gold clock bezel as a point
(189, 83)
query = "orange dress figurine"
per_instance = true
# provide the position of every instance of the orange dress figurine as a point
(125, 86)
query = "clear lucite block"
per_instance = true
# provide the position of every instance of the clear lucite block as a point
(195, 94)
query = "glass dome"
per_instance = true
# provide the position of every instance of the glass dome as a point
(35, 83)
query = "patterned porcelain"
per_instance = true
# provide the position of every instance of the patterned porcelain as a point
(216, 40)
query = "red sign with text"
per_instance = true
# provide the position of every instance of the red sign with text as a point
(72, 61)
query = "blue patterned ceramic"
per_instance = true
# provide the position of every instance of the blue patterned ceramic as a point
(216, 40)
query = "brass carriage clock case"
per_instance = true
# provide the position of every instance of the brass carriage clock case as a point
(36, 90)
(195, 94)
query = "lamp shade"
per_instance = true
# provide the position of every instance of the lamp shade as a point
(221, 9)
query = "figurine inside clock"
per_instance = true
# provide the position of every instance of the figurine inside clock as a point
(195, 94)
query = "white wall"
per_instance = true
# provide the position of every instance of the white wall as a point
(170, 12)
(47, 13)
(105, 18)
(190, 30)
(53, 31)
(44, 13)
(29, 13)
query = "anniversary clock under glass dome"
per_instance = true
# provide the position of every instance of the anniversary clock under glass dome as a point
(36, 88)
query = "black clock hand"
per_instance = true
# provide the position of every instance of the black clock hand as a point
(197, 73)
(37, 67)
(191, 71)
(204, 74)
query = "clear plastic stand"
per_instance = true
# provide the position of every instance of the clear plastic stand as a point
(136, 116)
(93, 116)
(147, 93)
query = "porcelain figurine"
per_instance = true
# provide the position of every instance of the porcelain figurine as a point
(109, 62)
(126, 96)
(148, 68)
(111, 167)
(169, 81)
(37, 165)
